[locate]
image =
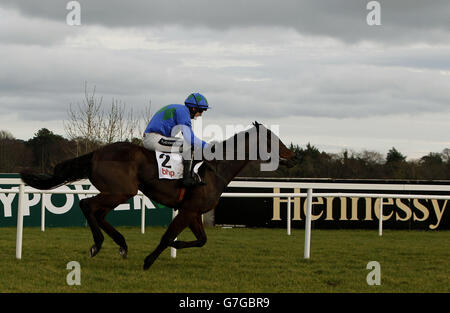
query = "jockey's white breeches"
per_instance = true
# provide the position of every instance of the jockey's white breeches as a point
(158, 142)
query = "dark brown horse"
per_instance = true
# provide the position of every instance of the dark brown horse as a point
(119, 170)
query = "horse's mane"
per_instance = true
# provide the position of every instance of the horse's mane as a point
(234, 140)
(234, 137)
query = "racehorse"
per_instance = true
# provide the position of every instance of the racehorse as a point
(119, 170)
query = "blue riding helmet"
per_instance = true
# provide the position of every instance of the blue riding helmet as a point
(196, 100)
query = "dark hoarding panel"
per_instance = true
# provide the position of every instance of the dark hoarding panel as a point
(337, 212)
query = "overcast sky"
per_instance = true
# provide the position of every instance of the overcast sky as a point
(315, 68)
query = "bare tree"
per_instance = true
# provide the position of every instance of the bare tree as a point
(84, 124)
(113, 124)
(146, 117)
(132, 126)
(121, 124)
(90, 125)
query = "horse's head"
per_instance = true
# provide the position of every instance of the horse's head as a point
(276, 151)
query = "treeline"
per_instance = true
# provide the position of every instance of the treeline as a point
(312, 163)
(42, 152)
(46, 149)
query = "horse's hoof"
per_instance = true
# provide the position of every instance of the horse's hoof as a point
(123, 252)
(93, 251)
(147, 263)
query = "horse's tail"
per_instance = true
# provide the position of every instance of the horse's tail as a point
(64, 173)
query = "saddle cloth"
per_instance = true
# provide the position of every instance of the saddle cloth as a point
(170, 165)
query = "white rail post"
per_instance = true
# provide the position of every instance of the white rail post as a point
(173, 251)
(308, 224)
(143, 214)
(42, 211)
(289, 216)
(19, 236)
(380, 221)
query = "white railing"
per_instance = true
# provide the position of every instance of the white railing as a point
(22, 191)
(251, 184)
(310, 186)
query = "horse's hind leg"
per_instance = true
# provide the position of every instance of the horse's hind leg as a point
(105, 204)
(95, 210)
(198, 230)
(179, 223)
(89, 213)
(113, 233)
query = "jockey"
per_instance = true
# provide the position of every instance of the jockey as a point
(160, 132)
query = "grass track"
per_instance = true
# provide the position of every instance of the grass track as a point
(233, 260)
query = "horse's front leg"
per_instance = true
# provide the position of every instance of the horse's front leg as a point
(198, 230)
(179, 223)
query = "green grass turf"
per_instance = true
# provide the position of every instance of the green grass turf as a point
(233, 260)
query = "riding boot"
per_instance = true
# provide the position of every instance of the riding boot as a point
(188, 180)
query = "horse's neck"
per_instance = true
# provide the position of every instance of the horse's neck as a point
(228, 169)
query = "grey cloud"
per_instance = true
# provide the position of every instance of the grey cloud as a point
(426, 58)
(347, 83)
(19, 29)
(246, 72)
(342, 91)
(402, 20)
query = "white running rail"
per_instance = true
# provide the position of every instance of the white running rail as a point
(22, 190)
